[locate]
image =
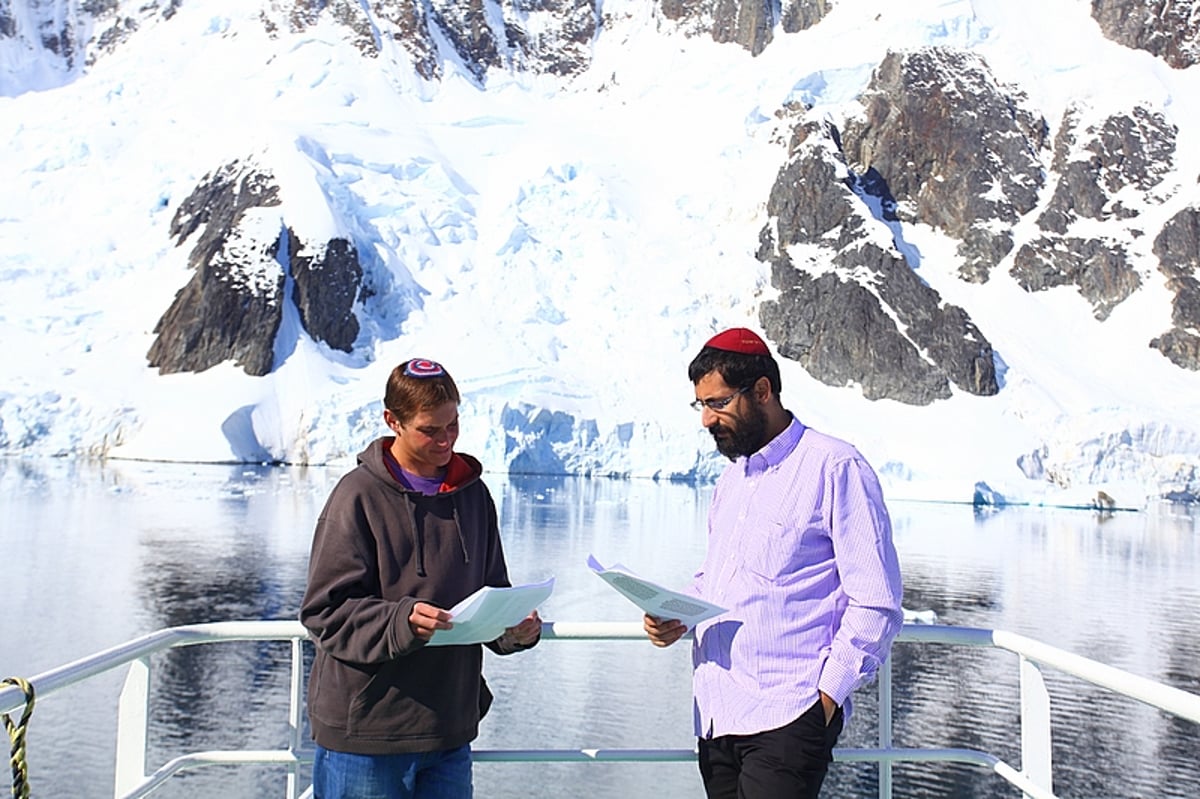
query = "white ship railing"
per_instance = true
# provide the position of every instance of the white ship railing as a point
(1034, 778)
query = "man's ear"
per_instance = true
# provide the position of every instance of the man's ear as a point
(762, 389)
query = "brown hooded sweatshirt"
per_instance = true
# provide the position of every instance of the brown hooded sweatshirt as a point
(378, 549)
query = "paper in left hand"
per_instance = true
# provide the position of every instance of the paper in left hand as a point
(487, 613)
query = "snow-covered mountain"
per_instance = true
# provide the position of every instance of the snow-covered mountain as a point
(970, 229)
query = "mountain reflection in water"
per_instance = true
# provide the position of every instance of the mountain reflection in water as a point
(98, 554)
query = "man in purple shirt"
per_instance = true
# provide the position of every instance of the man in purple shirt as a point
(800, 553)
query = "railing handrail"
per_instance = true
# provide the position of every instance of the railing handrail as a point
(1165, 697)
(1033, 654)
(48, 682)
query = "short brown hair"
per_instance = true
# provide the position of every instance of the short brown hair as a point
(736, 369)
(416, 385)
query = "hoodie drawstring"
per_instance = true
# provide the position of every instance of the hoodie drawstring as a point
(462, 541)
(418, 538)
(419, 535)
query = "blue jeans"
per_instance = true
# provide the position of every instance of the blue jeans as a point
(420, 775)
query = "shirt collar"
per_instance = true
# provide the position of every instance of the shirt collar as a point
(775, 450)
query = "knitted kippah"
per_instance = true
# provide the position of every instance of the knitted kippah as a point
(423, 367)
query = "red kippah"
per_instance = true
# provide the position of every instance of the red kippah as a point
(739, 339)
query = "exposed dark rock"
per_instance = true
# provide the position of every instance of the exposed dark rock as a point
(410, 29)
(956, 148)
(221, 199)
(1181, 347)
(326, 286)
(750, 23)
(541, 36)
(354, 16)
(810, 200)
(944, 333)
(113, 36)
(8, 23)
(46, 27)
(301, 14)
(231, 308)
(465, 25)
(1093, 164)
(1169, 29)
(296, 16)
(799, 15)
(1100, 269)
(563, 45)
(855, 313)
(839, 332)
(110, 27)
(1178, 249)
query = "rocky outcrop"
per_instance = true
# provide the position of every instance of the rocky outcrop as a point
(406, 23)
(798, 15)
(233, 305)
(1096, 162)
(539, 36)
(231, 308)
(8, 22)
(113, 22)
(1100, 168)
(326, 289)
(1100, 269)
(50, 40)
(465, 25)
(1169, 29)
(552, 36)
(59, 39)
(1178, 251)
(748, 23)
(956, 149)
(855, 313)
(296, 16)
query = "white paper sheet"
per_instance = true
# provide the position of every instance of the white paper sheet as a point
(487, 613)
(659, 602)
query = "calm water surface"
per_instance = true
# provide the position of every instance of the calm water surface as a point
(96, 555)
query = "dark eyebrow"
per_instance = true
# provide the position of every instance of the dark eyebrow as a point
(427, 429)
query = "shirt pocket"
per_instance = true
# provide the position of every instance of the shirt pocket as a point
(770, 548)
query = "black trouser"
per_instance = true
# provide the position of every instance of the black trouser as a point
(787, 763)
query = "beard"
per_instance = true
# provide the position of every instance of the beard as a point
(746, 438)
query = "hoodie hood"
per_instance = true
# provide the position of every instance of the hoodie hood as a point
(461, 472)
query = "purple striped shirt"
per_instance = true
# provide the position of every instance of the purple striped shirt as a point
(800, 552)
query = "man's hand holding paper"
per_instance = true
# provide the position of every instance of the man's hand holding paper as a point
(653, 599)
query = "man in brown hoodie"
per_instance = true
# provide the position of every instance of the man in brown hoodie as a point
(407, 534)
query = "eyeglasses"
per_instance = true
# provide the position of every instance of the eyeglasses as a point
(718, 404)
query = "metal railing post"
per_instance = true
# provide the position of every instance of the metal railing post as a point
(133, 716)
(885, 728)
(1035, 726)
(294, 718)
